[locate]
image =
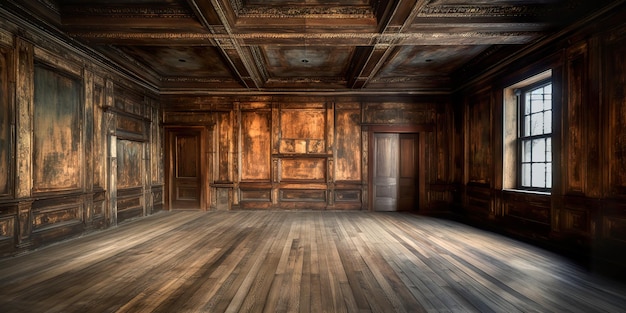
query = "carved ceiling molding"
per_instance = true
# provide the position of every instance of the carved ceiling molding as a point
(229, 40)
(129, 12)
(169, 79)
(485, 11)
(306, 80)
(307, 12)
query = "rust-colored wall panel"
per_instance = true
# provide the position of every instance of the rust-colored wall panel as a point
(5, 123)
(129, 155)
(57, 132)
(309, 169)
(348, 141)
(224, 142)
(302, 124)
(256, 145)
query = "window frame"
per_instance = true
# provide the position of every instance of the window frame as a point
(521, 138)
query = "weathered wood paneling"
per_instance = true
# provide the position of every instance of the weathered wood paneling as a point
(225, 146)
(129, 165)
(348, 142)
(303, 169)
(256, 145)
(302, 131)
(479, 138)
(398, 113)
(5, 124)
(615, 80)
(57, 146)
(574, 109)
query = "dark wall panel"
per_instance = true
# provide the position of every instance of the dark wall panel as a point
(57, 131)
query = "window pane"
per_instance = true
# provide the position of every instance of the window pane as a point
(536, 103)
(538, 175)
(547, 122)
(549, 175)
(536, 124)
(539, 150)
(526, 175)
(549, 149)
(526, 151)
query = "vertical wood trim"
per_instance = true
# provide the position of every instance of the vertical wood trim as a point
(88, 132)
(421, 170)
(24, 61)
(558, 102)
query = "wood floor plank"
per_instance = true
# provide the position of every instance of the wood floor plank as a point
(299, 261)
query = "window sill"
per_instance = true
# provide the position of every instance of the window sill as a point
(532, 192)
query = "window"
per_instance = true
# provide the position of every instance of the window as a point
(527, 134)
(535, 136)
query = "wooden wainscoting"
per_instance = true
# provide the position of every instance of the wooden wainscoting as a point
(299, 261)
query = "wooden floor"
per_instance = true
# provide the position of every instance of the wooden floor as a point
(259, 261)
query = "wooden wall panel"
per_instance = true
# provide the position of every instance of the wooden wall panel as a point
(399, 113)
(224, 146)
(56, 215)
(57, 147)
(303, 169)
(256, 145)
(303, 195)
(615, 81)
(348, 142)
(302, 131)
(5, 124)
(129, 164)
(479, 138)
(574, 143)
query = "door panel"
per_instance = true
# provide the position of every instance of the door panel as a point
(407, 180)
(185, 183)
(385, 171)
(395, 169)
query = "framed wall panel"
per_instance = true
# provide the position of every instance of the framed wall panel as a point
(301, 169)
(616, 97)
(479, 134)
(302, 131)
(5, 124)
(348, 142)
(256, 145)
(129, 164)
(57, 131)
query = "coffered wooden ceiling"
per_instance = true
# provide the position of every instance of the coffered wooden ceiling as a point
(424, 46)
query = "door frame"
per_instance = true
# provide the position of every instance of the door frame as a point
(422, 131)
(169, 132)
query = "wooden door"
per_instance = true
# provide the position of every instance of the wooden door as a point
(185, 173)
(385, 169)
(408, 168)
(395, 171)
